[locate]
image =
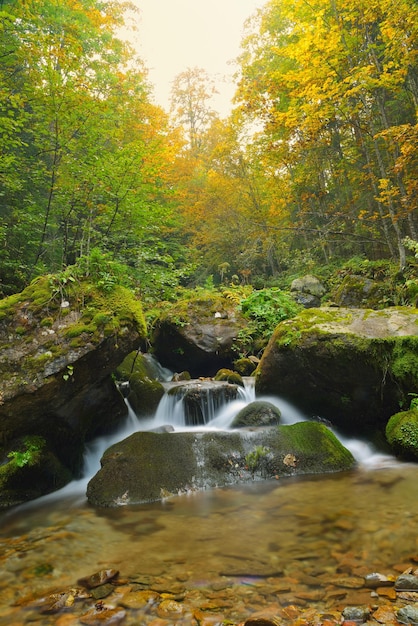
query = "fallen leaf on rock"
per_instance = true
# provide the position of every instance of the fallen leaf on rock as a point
(290, 460)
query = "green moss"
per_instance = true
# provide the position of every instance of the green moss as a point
(314, 443)
(402, 433)
(46, 322)
(102, 318)
(405, 358)
(229, 376)
(78, 329)
(21, 330)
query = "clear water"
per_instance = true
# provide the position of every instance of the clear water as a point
(242, 549)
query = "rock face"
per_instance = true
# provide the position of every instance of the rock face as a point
(56, 361)
(150, 466)
(198, 337)
(351, 366)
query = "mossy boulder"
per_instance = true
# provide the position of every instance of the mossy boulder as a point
(145, 390)
(259, 413)
(360, 291)
(150, 466)
(198, 334)
(354, 367)
(229, 376)
(402, 434)
(60, 341)
(246, 365)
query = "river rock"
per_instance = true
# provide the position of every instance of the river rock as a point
(259, 413)
(406, 582)
(57, 356)
(408, 615)
(198, 336)
(150, 466)
(351, 366)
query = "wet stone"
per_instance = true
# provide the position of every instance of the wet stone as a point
(374, 580)
(408, 596)
(170, 608)
(139, 599)
(99, 578)
(356, 613)
(102, 592)
(102, 615)
(387, 592)
(384, 615)
(406, 582)
(347, 582)
(408, 615)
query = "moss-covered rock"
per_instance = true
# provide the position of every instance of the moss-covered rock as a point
(229, 376)
(145, 391)
(60, 341)
(402, 434)
(246, 365)
(354, 367)
(361, 292)
(258, 413)
(147, 466)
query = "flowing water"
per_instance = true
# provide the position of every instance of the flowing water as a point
(300, 542)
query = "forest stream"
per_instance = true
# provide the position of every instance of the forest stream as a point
(292, 548)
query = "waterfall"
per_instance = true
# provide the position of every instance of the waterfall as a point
(198, 403)
(207, 405)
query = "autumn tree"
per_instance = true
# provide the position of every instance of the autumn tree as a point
(190, 105)
(330, 86)
(85, 153)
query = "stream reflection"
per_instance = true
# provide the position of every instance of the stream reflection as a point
(255, 538)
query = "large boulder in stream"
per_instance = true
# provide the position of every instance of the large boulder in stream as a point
(60, 341)
(353, 367)
(198, 335)
(150, 466)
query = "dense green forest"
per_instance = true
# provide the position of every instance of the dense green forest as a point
(316, 165)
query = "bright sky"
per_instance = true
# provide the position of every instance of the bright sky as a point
(174, 35)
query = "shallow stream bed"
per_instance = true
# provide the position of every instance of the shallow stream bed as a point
(222, 555)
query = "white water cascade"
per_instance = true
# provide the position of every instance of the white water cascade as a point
(217, 414)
